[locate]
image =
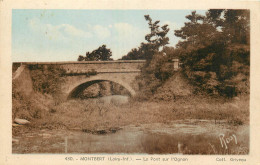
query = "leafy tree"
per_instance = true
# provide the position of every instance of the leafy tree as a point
(154, 72)
(154, 50)
(134, 54)
(81, 58)
(197, 32)
(212, 48)
(100, 54)
(156, 39)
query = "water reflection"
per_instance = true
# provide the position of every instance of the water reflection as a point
(115, 99)
(185, 137)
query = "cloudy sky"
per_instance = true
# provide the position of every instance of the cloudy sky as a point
(63, 35)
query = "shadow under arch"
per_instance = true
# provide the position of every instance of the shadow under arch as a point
(74, 93)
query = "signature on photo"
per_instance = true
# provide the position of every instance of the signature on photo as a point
(226, 140)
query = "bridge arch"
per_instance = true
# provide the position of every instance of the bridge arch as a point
(80, 86)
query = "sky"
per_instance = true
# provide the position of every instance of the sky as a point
(63, 35)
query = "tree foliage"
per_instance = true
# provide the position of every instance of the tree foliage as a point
(215, 50)
(46, 79)
(100, 54)
(134, 54)
(154, 72)
(156, 39)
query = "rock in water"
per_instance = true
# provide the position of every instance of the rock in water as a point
(21, 121)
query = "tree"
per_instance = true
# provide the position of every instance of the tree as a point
(100, 54)
(81, 58)
(153, 73)
(234, 24)
(215, 50)
(134, 54)
(156, 39)
(197, 32)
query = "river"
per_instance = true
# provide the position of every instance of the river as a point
(179, 137)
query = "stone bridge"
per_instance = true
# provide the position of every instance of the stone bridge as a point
(120, 72)
(78, 74)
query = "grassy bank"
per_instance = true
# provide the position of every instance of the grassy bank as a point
(174, 100)
(49, 115)
(84, 114)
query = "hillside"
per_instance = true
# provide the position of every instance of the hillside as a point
(175, 87)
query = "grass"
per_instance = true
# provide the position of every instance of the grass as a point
(45, 112)
(84, 114)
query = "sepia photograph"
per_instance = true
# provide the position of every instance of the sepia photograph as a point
(131, 81)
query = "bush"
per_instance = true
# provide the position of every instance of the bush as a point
(46, 78)
(30, 107)
(218, 71)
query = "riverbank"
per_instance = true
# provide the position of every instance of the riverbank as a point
(86, 114)
(194, 124)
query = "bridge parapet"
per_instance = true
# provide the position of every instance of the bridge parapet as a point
(120, 66)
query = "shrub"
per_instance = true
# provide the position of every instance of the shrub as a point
(46, 78)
